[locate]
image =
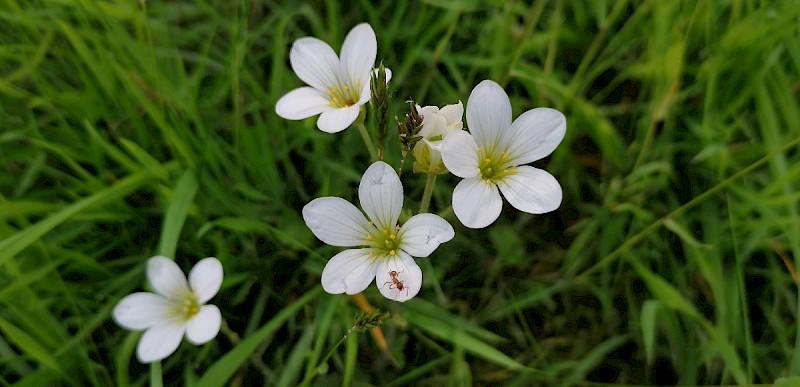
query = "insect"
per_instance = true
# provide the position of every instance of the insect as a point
(396, 283)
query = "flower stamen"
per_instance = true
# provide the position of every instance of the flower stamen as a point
(344, 96)
(494, 169)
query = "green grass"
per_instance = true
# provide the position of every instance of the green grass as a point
(135, 128)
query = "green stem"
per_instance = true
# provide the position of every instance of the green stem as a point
(373, 153)
(427, 193)
(423, 207)
(310, 376)
(155, 374)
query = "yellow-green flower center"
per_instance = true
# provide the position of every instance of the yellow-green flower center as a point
(494, 168)
(385, 241)
(344, 96)
(186, 307)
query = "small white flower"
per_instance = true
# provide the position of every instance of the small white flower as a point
(177, 309)
(338, 86)
(436, 125)
(493, 156)
(387, 257)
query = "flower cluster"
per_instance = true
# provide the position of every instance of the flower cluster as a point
(491, 158)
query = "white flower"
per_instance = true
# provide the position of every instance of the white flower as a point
(338, 87)
(387, 257)
(436, 125)
(178, 307)
(493, 156)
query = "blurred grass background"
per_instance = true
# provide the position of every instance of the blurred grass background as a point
(131, 128)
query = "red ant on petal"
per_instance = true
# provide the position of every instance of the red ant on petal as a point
(396, 283)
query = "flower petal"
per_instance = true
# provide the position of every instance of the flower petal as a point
(381, 195)
(453, 114)
(349, 272)
(337, 120)
(460, 154)
(205, 279)
(488, 114)
(433, 123)
(204, 326)
(315, 63)
(423, 233)
(159, 341)
(534, 135)
(302, 103)
(336, 222)
(166, 277)
(532, 190)
(141, 310)
(399, 278)
(476, 203)
(358, 55)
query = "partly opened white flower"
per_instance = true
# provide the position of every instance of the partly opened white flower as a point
(494, 156)
(177, 309)
(387, 252)
(338, 86)
(436, 125)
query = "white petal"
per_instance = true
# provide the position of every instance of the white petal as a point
(435, 145)
(159, 342)
(337, 120)
(399, 278)
(460, 154)
(381, 195)
(476, 203)
(302, 103)
(488, 113)
(204, 326)
(423, 233)
(336, 222)
(205, 279)
(358, 55)
(534, 135)
(433, 123)
(453, 114)
(349, 272)
(166, 277)
(435, 148)
(532, 190)
(423, 110)
(315, 63)
(141, 310)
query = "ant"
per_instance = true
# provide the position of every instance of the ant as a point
(395, 282)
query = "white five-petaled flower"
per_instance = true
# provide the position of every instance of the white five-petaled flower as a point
(338, 86)
(177, 309)
(436, 125)
(493, 157)
(389, 248)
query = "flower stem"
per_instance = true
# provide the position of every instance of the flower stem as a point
(310, 376)
(426, 195)
(377, 333)
(362, 321)
(155, 374)
(373, 153)
(423, 207)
